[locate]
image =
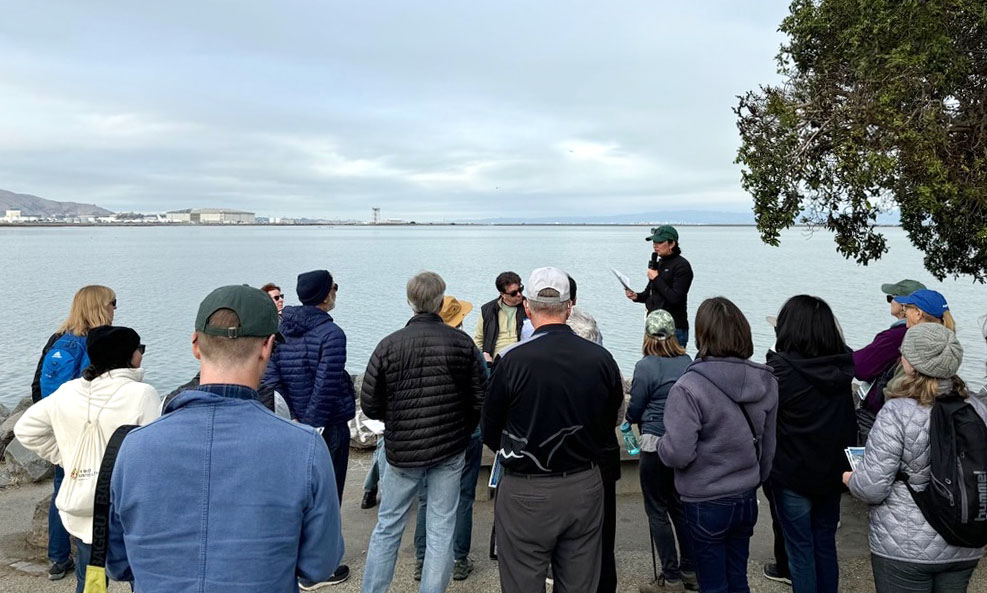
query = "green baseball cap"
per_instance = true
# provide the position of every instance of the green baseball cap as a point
(665, 232)
(659, 324)
(257, 312)
(903, 288)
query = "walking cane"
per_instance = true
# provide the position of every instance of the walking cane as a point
(651, 544)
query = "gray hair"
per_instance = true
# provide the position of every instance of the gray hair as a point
(549, 309)
(584, 326)
(425, 292)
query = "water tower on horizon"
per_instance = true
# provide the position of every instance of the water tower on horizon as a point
(376, 215)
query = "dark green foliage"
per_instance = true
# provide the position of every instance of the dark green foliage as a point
(883, 106)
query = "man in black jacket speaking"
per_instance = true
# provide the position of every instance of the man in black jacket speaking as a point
(669, 280)
(549, 414)
(426, 382)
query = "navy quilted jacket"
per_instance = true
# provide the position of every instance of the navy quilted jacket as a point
(309, 369)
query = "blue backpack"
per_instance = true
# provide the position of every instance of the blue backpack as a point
(65, 361)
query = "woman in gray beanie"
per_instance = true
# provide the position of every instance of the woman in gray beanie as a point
(906, 552)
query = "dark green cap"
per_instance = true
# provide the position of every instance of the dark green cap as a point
(665, 232)
(903, 288)
(257, 312)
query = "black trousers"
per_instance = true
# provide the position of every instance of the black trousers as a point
(608, 563)
(781, 554)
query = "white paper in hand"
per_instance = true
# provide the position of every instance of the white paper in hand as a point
(624, 280)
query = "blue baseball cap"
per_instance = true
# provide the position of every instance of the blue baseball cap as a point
(928, 301)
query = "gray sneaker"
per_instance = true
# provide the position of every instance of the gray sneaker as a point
(660, 585)
(462, 569)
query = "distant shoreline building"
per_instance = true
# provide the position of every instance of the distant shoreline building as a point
(211, 216)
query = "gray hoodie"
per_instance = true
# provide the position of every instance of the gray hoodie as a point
(707, 440)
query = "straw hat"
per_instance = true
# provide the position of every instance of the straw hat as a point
(454, 310)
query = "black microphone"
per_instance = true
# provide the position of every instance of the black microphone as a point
(653, 264)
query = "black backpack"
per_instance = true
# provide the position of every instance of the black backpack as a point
(955, 501)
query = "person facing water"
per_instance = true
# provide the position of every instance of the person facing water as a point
(83, 412)
(64, 358)
(720, 423)
(219, 494)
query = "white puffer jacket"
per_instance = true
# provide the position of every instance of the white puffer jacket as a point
(51, 427)
(900, 441)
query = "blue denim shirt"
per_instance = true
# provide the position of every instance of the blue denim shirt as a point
(220, 495)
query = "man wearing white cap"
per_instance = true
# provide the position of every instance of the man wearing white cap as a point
(549, 412)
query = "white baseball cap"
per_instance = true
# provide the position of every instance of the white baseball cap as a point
(543, 278)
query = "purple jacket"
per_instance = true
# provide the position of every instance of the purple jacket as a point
(874, 359)
(707, 440)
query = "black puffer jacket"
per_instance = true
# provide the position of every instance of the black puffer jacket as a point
(426, 382)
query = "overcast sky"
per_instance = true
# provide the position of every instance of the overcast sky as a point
(429, 110)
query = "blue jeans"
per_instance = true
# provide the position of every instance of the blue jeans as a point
(337, 438)
(721, 533)
(59, 548)
(83, 552)
(809, 525)
(373, 475)
(898, 576)
(399, 488)
(682, 335)
(463, 535)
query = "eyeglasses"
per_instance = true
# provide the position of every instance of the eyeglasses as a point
(113, 303)
(141, 348)
(278, 297)
(514, 293)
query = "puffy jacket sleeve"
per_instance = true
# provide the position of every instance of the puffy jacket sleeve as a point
(874, 477)
(329, 380)
(272, 374)
(478, 385)
(373, 396)
(34, 430)
(640, 390)
(678, 448)
(320, 547)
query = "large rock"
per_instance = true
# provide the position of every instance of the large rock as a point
(39, 524)
(7, 431)
(20, 460)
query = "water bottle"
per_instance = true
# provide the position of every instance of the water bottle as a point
(630, 441)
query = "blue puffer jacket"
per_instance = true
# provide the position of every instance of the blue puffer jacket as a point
(309, 369)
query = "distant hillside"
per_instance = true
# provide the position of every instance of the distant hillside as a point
(34, 206)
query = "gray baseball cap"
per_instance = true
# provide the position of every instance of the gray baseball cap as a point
(902, 288)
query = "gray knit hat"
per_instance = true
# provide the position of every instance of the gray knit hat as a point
(933, 350)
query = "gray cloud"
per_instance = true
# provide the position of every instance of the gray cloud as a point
(441, 110)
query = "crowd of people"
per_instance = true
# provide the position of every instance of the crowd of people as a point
(234, 482)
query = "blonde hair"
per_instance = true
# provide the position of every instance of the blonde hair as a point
(667, 348)
(922, 388)
(90, 308)
(947, 318)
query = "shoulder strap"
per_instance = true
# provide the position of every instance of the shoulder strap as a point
(101, 502)
(750, 424)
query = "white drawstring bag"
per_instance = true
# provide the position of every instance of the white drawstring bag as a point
(75, 496)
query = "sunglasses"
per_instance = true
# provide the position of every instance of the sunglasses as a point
(141, 348)
(514, 293)
(335, 286)
(279, 297)
(890, 298)
(113, 303)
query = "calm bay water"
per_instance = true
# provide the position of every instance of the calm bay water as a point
(161, 273)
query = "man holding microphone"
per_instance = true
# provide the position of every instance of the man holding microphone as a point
(669, 280)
